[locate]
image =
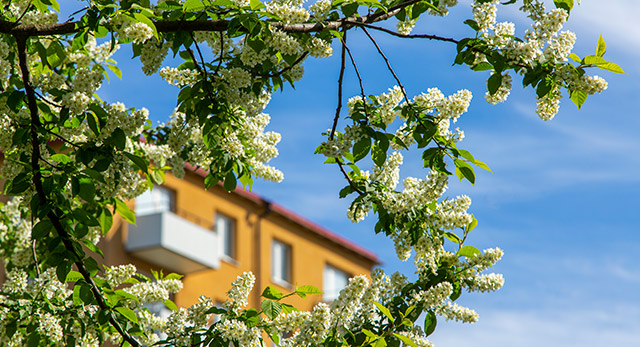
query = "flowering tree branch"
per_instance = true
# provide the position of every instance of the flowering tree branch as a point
(21, 41)
(65, 197)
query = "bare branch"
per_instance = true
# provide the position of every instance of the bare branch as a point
(340, 79)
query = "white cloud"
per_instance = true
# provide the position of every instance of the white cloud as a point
(616, 20)
(616, 326)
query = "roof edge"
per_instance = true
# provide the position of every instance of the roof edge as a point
(296, 218)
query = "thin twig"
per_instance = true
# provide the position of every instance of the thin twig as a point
(61, 138)
(221, 52)
(340, 79)
(404, 93)
(355, 68)
(300, 58)
(26, 9)
(406, 36)
(33, 249)
(346, 176)
(47, 100)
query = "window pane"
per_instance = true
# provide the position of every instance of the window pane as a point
(281, 262)
(226, 234)
(158, 200)
(334, 281)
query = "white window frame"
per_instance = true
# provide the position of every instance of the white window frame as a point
(225, 227)
(333, 281)
(281, 263)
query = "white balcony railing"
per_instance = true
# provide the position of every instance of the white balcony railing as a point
(173, 243)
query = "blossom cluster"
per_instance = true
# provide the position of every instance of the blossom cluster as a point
(544, 42)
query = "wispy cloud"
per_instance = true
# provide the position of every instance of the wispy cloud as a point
(616, 326)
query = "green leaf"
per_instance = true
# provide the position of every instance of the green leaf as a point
(62, 270)
(482, 165)
(494, 82)
(472, 24)
(140, 162)
(42, 229)
(430, 322)
(126, 295)
(11, 328)
(613, 67)
(125, 212)
(483, 66)
(472, 225)
(465, 170)
(272, 293)
(361, 148)
(106, 220)
(170, 305)
(271, 308)
(116, 70)
(349, 9)
(76, 295)
(453, 237)
(468, 251)
(87, 190)
(144, 19)
(61, 158)
(578, 97)
(230, 181)
(564, 4)
(601, 49)
(378, 156)
(575, 57)
(286, 308)
(303, 291)
(593, 60)
(256, 5)
(128, 313)
(405, 339)
(381, 342)
(119, 138)
(385, 311)
(34, 340)
(369, 333)
(73, 276)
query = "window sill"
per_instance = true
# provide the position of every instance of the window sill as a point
(283, 283)
(227, 259)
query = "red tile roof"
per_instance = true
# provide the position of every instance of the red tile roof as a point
(292, 216)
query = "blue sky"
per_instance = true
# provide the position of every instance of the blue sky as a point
(562, 200)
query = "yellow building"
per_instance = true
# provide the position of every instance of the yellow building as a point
(212, 236)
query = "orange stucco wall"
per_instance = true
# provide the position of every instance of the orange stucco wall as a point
(255, 227)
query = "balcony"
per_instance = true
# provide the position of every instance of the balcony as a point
(173, 243)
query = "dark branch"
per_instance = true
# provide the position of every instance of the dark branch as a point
(165, 26)
(300, 59)
(386, 60)
(410, 36)
(340, 79)
(21, 41)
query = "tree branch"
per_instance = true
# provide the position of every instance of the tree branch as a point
(21, 40)
(164, 26)
(340, 79)
(410, 36)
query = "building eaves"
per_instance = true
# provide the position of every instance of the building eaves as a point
(297, 219)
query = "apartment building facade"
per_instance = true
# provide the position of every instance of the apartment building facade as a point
(211, 236)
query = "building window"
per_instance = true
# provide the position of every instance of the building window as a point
(225, 227)
(280, 262)
(334, 281)
(158, 200)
